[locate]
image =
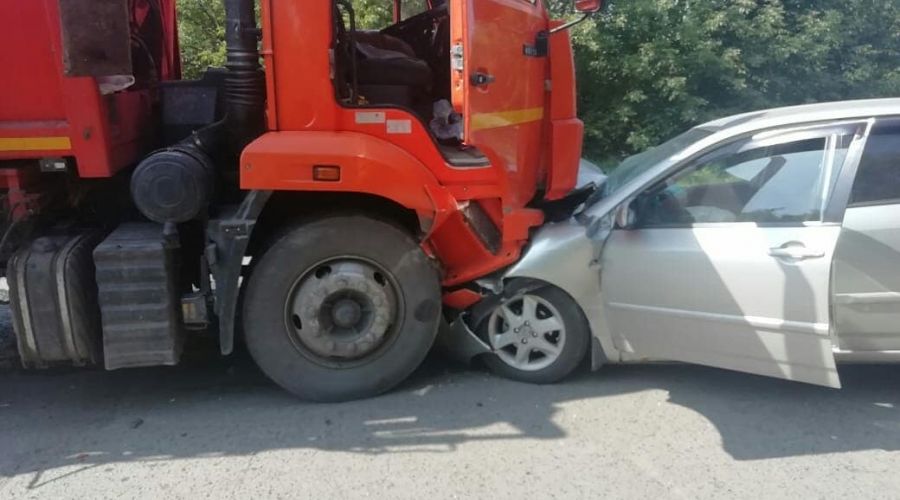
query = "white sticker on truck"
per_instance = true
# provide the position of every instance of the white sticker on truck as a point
(399, 126)
(369, 117)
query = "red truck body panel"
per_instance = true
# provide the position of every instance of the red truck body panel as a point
(44, 113)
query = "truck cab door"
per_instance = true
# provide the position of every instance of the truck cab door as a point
(730, 262)
(499, 86)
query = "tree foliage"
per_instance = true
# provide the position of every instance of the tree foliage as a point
(201, 32)
(373, 14)
(651, 68)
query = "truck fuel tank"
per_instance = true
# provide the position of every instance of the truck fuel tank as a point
(53, 297)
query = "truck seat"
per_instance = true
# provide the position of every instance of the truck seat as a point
(383, 41)
(380, 66)
(389, 73)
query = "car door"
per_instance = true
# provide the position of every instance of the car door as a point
(729, 262)
(867, 259)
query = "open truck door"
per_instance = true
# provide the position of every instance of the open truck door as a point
(498, 82)
(728, 262)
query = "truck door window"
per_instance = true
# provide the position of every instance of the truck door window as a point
(878, 176)
(373, 15)
(786, 183)
(379, 14)
(410, 8)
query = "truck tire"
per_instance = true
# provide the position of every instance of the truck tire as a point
(341, 308)
(540, 336)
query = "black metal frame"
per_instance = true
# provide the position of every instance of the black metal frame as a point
(227, 241)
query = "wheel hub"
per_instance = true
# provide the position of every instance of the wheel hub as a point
(342, 309)
(346, 313)
(527, 333)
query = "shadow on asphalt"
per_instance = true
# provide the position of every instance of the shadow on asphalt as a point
(215, 407)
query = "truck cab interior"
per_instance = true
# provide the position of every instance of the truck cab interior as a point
(405, 64)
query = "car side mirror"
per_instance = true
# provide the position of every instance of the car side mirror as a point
(625, 217)
(588, 6)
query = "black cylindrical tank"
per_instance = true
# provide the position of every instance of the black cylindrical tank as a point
(173, 184)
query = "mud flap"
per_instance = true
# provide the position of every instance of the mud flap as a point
(228, 239)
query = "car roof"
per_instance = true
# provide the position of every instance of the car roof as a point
(838, 110)
(726, 129)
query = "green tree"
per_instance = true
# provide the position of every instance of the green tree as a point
(650, 68)
(201, 32)
(373, 14)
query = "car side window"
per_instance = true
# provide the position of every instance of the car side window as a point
(768, 183)
(878, 175)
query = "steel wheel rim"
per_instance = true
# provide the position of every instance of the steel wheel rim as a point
(527, 333)
(343, 310)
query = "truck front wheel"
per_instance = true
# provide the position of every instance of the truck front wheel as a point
(342, 308)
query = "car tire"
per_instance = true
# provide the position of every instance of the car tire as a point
(341, 308)
(546, 324)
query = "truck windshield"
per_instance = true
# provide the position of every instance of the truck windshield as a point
(634, 166)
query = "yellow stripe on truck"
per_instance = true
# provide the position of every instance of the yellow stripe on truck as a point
(483, 121)
(35, 143)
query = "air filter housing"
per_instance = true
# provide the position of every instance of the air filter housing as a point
(173, 185)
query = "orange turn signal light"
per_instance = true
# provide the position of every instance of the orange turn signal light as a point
(327, 173)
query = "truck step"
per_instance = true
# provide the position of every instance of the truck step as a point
(139, 299)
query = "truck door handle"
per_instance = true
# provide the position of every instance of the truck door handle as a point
(479, 79)
(795, 251)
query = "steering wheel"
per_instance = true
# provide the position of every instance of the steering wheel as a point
(428, 15)
(664, 207)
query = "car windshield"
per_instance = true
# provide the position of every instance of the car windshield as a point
(633, 166)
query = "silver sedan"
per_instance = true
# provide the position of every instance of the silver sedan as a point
(767, 243)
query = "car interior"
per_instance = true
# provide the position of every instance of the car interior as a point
(774, 184)
(404, 65)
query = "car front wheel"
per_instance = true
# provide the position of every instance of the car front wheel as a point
(539, 336)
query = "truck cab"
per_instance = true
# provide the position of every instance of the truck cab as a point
(508, 88)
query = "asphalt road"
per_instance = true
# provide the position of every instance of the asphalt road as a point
(218, 429)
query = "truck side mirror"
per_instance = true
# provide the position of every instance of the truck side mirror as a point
(626, 216)
(584, 7)
(588, 6)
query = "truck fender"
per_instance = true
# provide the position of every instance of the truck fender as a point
(365, 164)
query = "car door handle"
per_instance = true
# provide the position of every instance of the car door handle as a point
(795, 252)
